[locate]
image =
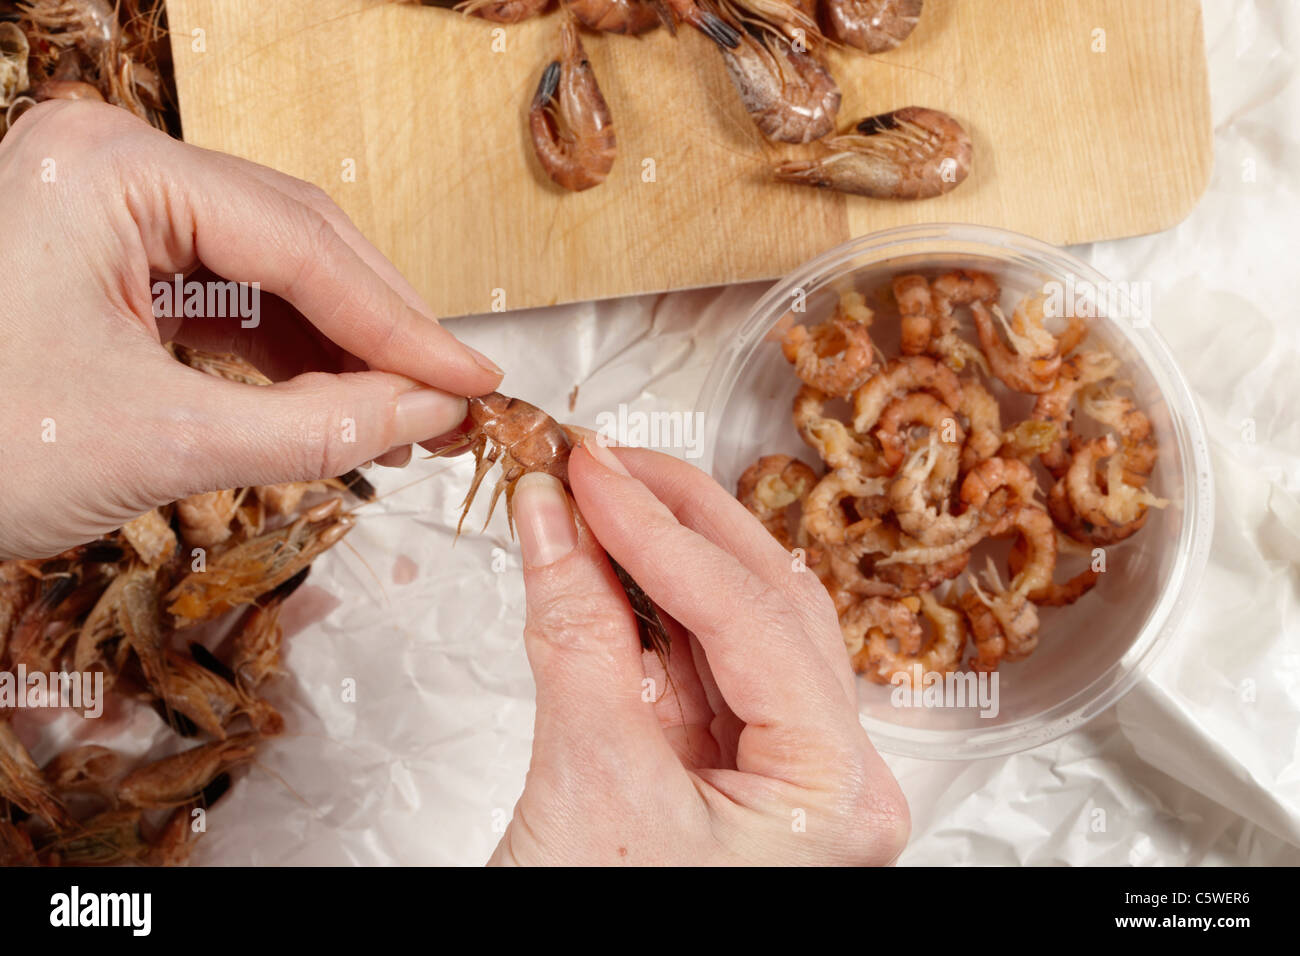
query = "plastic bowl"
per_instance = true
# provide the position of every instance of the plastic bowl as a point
(1090, 654)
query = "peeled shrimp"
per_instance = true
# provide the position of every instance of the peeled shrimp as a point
(1120, 509)
(884, 665)
(570, 123)
(824, 518)
(769, 486)
(873, 26)
(915, 408)
(835, 356)
(790, 95)
(205, 519)
(921, 521)
(912, 153)
(837, 446)
(985, 420)
(1131, 425)
(907, 374)
(1033, 360)
(1051, 594)
(894, 618)
(916, 311)
(960, 287)
(1054, 405)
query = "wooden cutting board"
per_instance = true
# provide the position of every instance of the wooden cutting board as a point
(1090, 118)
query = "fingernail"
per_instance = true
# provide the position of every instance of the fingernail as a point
(547, 531)
(483, 361)
(425, 413)
(602, 454)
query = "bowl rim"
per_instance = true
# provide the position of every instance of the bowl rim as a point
(1165, 616)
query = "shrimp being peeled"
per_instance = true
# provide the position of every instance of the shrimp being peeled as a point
(570, 122)
(912, 153)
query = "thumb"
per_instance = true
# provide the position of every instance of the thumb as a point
(314, 426)
(581, 638)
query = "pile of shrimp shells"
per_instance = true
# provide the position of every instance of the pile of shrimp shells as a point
(900, 629)
(774, 51)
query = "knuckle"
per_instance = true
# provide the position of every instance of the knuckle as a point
(878, 810)
(566, 619)
(331, 444)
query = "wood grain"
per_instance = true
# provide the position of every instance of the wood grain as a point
(1072, 144)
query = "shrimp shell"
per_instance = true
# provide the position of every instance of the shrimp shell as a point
(175, 780)
(911, 153)
(23, 785)
(790, 96)
(503, 11)
(630, 17)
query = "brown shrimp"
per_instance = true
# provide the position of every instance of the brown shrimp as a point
(789, 19)
(911, 153)
(108, 838)
(895, 618)
(916, 408)
(837, 446)
(873, 26)
(242, 573)
(16, 846)
(916, 312)
(503, 11)
(1054, 405)
(835, 356)
(1118, 510)
(178, 779)
(1130, 424)
(824, 519)
(790, 95)
(1051, 594)
(522, 438)
(874, 546)
(959, 287)
(23, 785)
(1032, 361)
(984, 418)
(920, 520)
(706, 21)
(630, 17)
(209, 699)
(769, 486)
(86, 769)
(909, 373)
(570, 123)
(259, 636)
(942, 654)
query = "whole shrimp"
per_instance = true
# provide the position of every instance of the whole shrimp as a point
(241, 574)
(522, 438)
(911, 153)
(86, 769)
(629, 17)
(209, 699)
(256, 643)
(570, 122)
(113, 836)
(873, 26)
(769, 486)
(790, 19)
(175, 780)
(835, 356)
(23, 785)
(790, 95)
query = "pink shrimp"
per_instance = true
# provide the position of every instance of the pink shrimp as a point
(835, 356)
(768, 488)
(906, 374)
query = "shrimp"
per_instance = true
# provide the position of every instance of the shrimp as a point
(894, 618)
(911, 153)
(1010, 627)
(17, 590)
(769, 486)
(710, 24)
(873, 26)
(1027, 440)
(1053, 405)
(959, 287)
(503, 11)
(101, 642)
(255, 653)
(208, 698)
(241, 574)
(824, 518)
(907, 494)
(1118, 509)
(790, 95)
(1051, 594)
(113, 836)
(1130, 424)
(86, 769)
(836, 356)
(915, 408)
(883, 578)
(176, 780)
(522, 438)
(16, 846)
(629, 17)
(570, 122)
(916, 311)
(151, 537)
(788, 19)
(1033, 361)
(22, 784)
(942, 655)
(906, 374)
(984, 418)
(14, 51)
(832, 439)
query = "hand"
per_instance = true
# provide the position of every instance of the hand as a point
(754, 755)
(100, 424)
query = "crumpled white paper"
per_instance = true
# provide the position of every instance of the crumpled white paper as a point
(1197, 765)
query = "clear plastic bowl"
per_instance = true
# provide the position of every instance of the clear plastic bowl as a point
(1089, 654)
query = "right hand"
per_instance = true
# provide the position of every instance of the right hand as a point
(755, 755)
